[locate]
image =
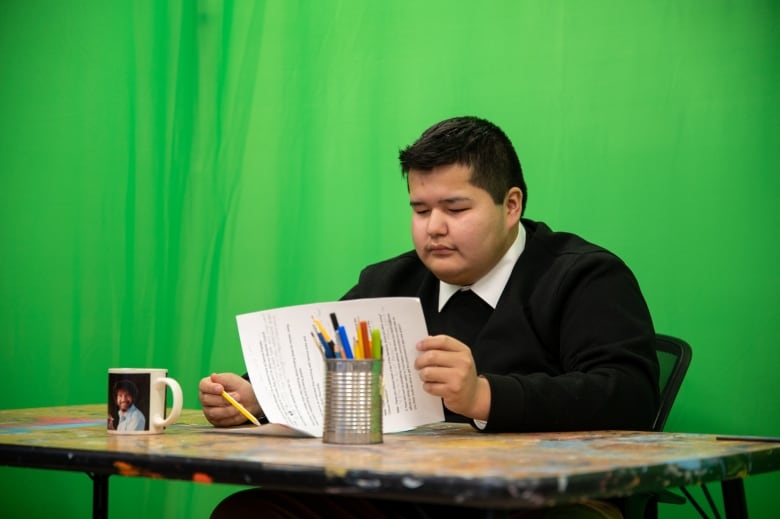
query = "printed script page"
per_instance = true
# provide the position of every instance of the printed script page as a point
(287, 368)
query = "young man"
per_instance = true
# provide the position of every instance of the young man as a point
(531, 330)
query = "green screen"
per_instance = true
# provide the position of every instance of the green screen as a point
(168, 165)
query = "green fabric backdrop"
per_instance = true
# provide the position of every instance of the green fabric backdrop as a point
(168, 165)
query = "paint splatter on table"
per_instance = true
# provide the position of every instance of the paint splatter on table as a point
(439, 463)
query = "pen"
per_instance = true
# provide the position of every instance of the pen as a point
(241, 409)
(325, 346)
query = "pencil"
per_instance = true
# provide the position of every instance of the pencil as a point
(322, 330)
(318, 344)
(241, 409)
(328, 344)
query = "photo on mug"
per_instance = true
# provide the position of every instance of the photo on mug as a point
(128, 402)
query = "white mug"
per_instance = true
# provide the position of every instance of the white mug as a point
(137, 400)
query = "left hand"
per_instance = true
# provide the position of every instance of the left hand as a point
(447, 369)
(217, 410)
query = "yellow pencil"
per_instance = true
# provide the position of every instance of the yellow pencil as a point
(322, 329)
(357, 350)
(241, 409)
(331, 342)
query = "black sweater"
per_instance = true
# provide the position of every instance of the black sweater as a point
(569, 345)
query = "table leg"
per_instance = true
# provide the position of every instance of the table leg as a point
(734, 502)
(99, 495)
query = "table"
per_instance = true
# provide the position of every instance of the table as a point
(441, 463)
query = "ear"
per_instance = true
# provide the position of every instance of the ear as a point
(513, 205)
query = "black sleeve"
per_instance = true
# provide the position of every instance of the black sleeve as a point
(591, 319)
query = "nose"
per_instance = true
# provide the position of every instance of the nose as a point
(437, 224)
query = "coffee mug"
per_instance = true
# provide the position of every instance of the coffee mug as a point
(137, 400)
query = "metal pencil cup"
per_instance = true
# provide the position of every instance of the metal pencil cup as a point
(353, 401)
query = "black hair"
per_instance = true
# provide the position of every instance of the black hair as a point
(473, 142)
(127, 386)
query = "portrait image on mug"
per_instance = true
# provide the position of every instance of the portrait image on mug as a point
(128, 399)
(137, 400)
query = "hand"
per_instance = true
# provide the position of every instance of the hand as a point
(217, 410)
(447, 370)
(111, 423)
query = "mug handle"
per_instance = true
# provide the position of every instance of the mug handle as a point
(177, 402)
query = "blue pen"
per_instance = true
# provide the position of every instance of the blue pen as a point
(345, 341)
(325, 346)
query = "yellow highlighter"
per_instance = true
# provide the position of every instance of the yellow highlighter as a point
(241, 409)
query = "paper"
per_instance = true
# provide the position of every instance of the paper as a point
(287, 369)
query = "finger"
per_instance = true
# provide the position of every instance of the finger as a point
(440, 342)
(219, 378)
(223, 411)
(223, 417)
(435, 358)
(435, 375)
(209, 386)
(212, 400)
(228, 381)
(436, 389)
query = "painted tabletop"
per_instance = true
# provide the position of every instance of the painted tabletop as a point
(438, 463)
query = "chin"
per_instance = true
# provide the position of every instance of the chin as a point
(449, 276)
(443, 269)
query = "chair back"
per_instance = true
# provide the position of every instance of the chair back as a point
(674, 356)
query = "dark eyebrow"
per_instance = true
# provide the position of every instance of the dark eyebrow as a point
(446, 201)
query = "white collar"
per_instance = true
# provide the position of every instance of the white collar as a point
(490, 286)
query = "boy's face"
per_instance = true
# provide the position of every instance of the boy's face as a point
(123, 400)
(458, 230)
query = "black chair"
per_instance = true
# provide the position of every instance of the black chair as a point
(674, 357)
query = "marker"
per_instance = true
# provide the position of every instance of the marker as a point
(335, 322)
(376, 344)
(345, 341)
(241, 409)
(364, 339)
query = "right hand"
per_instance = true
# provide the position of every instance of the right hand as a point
(217, 410)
